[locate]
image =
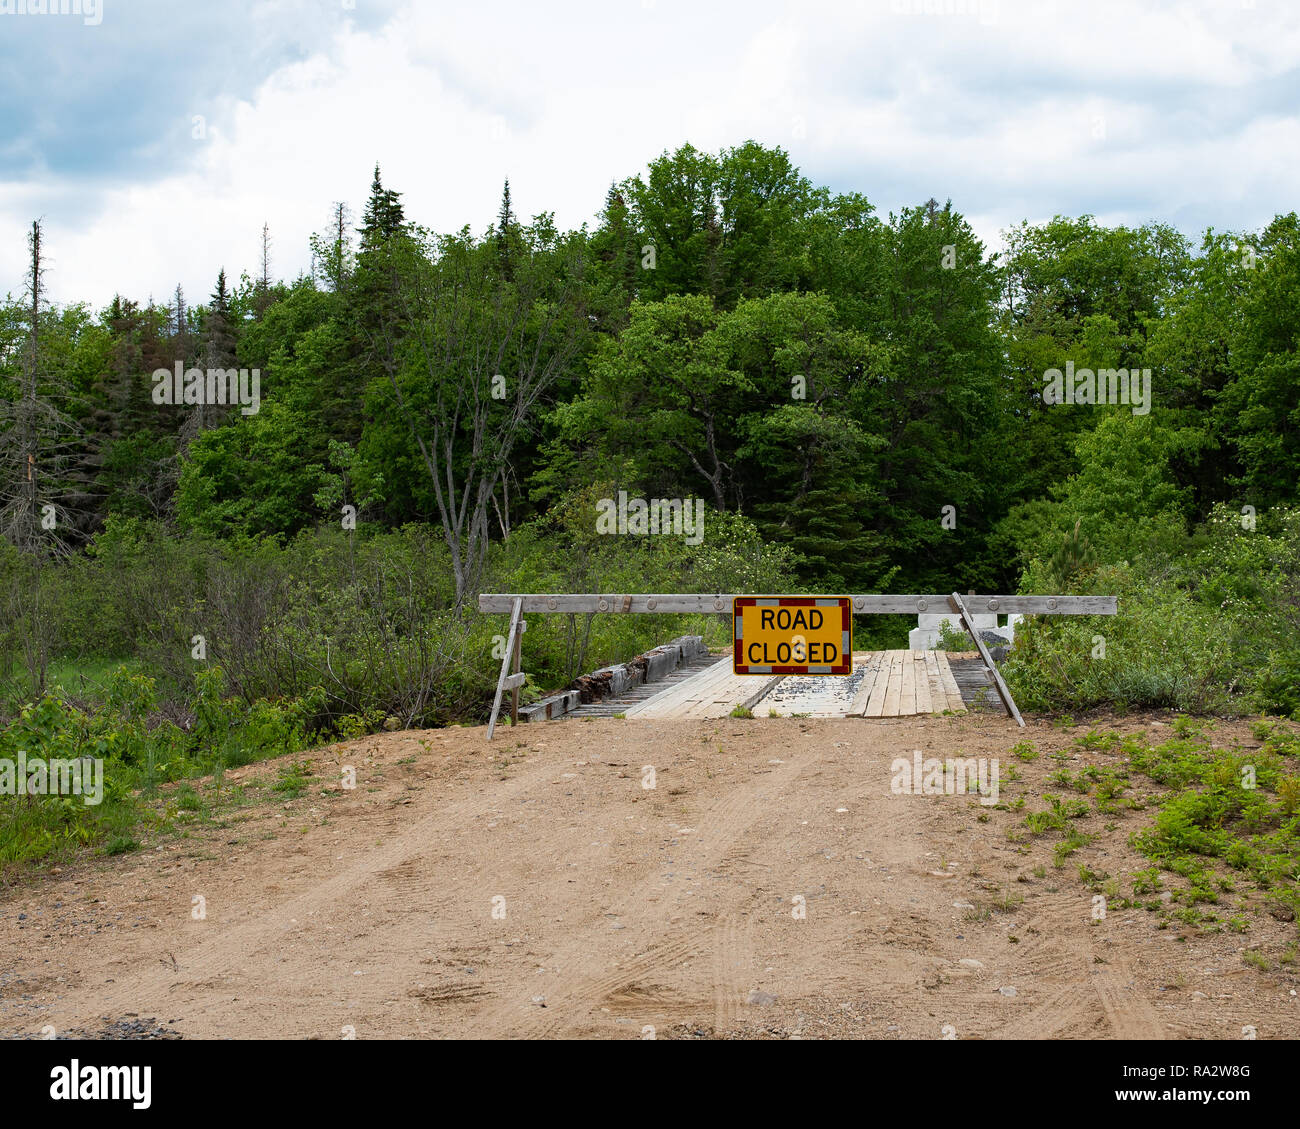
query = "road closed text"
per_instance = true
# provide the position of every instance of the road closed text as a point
(792, 635)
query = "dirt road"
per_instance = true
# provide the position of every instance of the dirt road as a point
(770, 884)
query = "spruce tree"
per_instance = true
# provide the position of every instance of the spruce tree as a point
(505, 233)
(383, 218)
(219, 337)
(372, 318)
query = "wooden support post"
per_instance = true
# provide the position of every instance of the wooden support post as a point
(959, 606)
(514, 690)
(505, 666)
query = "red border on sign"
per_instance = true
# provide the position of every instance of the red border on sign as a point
(738, 645)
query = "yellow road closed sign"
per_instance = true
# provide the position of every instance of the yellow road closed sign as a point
(792, 635)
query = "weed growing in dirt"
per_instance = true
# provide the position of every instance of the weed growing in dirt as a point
(293, 778)
(1073, 840)
(1226, 821)
(1006, 900)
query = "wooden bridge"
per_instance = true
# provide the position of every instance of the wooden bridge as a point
(882, 683)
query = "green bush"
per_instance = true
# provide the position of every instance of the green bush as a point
(1214, 629)
(139, 751)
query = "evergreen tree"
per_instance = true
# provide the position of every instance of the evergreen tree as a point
(369, 340)
(383, 218)
(220, 340)
(506, 233)
(181, 319)
(134, 437)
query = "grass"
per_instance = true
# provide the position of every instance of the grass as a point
(1073, 840)
(294, 779)
(113, 719)
(1006, 901)
(1224, 823)
(1025, 751)
(87, 678)
(51, 828)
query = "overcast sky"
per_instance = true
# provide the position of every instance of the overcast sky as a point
(1185, 112)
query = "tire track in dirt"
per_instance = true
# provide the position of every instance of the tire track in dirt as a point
(733, 951)
(204, 965)
(1065, 1014)
(1058, 945)
(1128, 1012)
(571, 993)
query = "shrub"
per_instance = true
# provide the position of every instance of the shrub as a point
(1215, 629)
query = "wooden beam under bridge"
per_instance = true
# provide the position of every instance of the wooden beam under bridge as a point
(676, 603)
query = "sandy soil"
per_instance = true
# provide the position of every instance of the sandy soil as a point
(371, 911)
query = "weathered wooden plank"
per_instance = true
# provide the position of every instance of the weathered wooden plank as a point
(862, 698)
(749, 701)
(553, 705)
(959, 605)
(938, 695)
(894, 691)
(516, 680)
(876, 703)
(867, 604)
(952, 692)
(922, 675)
(904, 661)
(907, 691)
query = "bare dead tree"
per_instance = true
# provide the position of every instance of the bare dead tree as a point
(262, 288)
(341, 262)
(481, 352)
(264, 279)
(35, 433)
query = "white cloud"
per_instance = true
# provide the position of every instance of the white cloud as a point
(1000, 115)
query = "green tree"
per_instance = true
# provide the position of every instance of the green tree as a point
(250, 478)
(1260, 409)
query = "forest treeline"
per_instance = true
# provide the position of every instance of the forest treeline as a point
(727, 331)
(863, 402)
